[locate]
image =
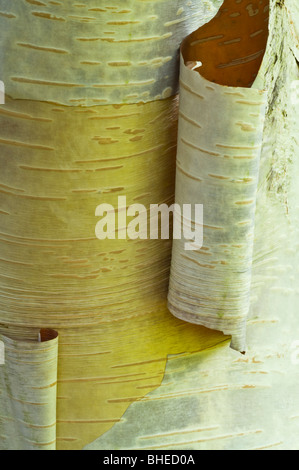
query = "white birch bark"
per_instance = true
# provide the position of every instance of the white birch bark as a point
(28, 383)
(219, 146)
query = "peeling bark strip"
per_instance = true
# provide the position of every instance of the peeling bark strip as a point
(219, 145)
(28, 384)
(124, 52)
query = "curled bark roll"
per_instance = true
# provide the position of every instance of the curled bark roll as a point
(219, 145)
(28, 381)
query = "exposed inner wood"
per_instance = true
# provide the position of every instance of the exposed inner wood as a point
(231, 46)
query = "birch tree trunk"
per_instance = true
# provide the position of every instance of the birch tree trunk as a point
(68, 144)
(217, 399)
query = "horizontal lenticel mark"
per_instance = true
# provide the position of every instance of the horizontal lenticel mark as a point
(44, 82)
(186, 87)
(188, 174)
(191, 121)
(42, 48)
(47, 16)
(200, 149)
(24, 144)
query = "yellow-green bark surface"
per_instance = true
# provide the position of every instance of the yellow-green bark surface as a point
(107, 299)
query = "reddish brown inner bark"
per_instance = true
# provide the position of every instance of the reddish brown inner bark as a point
(232, 45)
